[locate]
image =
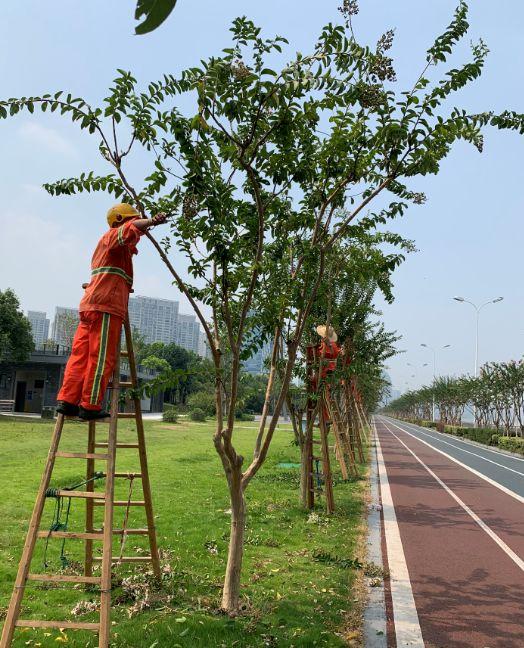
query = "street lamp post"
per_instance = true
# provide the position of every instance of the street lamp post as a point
(477, 310)
(427, 346)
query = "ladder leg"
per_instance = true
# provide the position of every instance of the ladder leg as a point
(25, 562)
(107, 552)
(326, 467)
(90, 486)
(348, 443)
(146, 486)
(308, 451)
(340, 443)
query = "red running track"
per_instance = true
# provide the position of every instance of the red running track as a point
(468, 590)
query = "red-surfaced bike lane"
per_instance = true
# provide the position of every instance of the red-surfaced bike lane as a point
(463, 545)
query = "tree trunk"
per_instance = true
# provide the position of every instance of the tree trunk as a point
(231, 592)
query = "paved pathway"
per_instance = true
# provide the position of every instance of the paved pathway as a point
(453, 520)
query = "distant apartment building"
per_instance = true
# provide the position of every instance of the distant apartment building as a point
(255, 365)
(64, 325)
(156, 319)
(39, 326)
(203, 347)
(188, 333)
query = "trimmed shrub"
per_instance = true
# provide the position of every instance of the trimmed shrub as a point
(202, 400)
(513, 444)
(244, 416)
(482, 435)
(170, 415)
(197, 414)
(494, 439)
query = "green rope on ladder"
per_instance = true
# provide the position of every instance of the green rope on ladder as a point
(58, 524)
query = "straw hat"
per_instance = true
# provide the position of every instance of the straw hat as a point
(327, 332)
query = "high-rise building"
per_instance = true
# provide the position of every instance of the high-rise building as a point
(188, 333)
(255, 365)
(39, 326)
(203, 347)
(64, 325)
(155, 319)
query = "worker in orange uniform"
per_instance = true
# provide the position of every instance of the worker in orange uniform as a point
(327, 349)
(102, 312)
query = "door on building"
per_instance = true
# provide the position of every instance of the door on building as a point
(21, 388)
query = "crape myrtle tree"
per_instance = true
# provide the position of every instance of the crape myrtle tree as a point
(356, 270)
(262, 177)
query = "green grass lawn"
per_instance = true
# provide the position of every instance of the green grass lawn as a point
(289, 597)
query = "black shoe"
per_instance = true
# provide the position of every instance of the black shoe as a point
(92, 415)
(67, 409)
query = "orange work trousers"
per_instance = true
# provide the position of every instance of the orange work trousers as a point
(92, 359)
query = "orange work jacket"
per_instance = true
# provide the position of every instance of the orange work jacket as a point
(112, 271)
(329, 351)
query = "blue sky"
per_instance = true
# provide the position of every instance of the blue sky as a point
(469, 234)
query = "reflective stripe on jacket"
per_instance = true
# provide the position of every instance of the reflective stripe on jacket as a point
(112, 271)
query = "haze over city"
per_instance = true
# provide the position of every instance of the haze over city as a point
(468, 233)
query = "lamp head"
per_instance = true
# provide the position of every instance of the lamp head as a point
(498, 299)
(459, 299)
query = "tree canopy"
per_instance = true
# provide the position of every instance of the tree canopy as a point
(16, 340)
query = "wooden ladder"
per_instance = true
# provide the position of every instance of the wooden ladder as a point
(343, 443)
(97, 451)
(319, 480)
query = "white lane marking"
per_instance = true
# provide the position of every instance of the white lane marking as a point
(407, 625)
(463, 465)
(466, 441)
(435, 438)
(509, 552)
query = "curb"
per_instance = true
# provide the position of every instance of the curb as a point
(375, 635)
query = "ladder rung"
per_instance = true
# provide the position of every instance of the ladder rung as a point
(127, 475)
(126, 559)
(122, 503)
(122, 384)
(64, 578)
(71, 534)
(70, 625)
(126, 415)
(128, 531)
(104, 444)
(83, 494)
(124, 354)
(82, 455)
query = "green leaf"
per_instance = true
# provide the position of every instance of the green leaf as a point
(155, 12)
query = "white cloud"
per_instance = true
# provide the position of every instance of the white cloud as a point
(49, 138)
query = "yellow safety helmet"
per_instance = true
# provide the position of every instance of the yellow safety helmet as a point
(120, 213)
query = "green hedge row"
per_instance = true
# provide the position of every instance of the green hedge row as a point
(513, 444)
(487, 436)
(481, 435)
